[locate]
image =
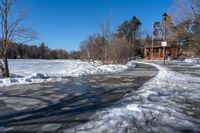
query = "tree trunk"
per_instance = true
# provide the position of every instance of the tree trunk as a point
(133, 45)
(6, 69)
(5, 38)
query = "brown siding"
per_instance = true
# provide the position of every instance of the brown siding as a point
(158, 54)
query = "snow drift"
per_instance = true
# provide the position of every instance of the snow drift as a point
(39, 71)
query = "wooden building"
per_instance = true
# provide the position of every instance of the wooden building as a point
(158, 51)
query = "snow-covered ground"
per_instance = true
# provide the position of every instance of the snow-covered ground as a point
(39, 71)
(168, 103)
(192, 60)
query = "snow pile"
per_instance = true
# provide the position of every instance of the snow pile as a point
(192, 60)
(166, 103)
(39, 71)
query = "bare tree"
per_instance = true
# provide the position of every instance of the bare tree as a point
(182, 10)
(11, 31)
(186, 30)
(194, 6)
(120, 50)
(106, 33)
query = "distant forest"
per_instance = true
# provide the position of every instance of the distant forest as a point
(22, 51)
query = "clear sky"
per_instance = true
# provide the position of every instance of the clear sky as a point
(65, 23)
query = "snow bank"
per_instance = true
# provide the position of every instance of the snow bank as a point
(192, 60)
(39, 71)
(159, 105)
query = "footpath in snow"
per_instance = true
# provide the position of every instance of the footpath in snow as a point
(169, 103)
(41, 71)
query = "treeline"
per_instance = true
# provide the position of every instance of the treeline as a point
(21, 51)
(128, 41)
(184, 36)
(183, 32)
(187, 34)
(118, 47)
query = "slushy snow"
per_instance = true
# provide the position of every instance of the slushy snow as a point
(39, 71)
(168, 103)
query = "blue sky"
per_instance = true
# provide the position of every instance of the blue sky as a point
(65, 23)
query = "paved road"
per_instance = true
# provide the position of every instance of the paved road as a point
(53, 107)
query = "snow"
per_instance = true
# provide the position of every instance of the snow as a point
(41, 71)
(192, 60)
(161, 104)
(133, 107)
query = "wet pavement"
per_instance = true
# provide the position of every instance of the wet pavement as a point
(53, 107)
